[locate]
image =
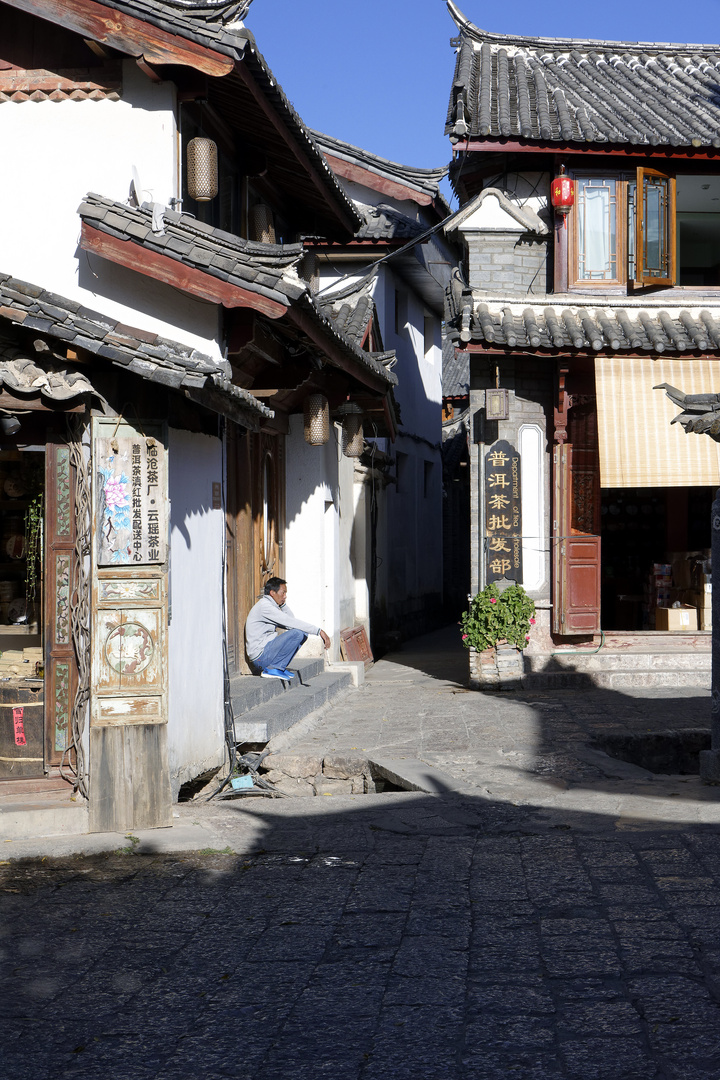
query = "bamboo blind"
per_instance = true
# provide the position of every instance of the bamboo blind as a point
(638, 445)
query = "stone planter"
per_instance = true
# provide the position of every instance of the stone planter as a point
(500, 667)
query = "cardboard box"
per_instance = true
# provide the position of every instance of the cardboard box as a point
(680, 618)
(705, 618)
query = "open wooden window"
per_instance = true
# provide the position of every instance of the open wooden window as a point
(623, 229)
(655, 254)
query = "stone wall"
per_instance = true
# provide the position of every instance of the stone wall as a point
(509, 263)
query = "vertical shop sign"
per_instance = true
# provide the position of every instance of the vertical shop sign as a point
(131, 508)
(503, 513)
(19, 726)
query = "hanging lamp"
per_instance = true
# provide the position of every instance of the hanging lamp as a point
(562, 193)
(316, 416)
(202, 169)
(352, 430)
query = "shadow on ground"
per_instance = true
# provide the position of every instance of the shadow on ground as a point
(401, 936)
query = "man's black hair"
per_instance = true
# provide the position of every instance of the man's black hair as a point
(273, 584)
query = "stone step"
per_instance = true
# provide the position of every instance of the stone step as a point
(249, 691)
(29, 817)
(617, 679)
(279, 711)
(606, 660)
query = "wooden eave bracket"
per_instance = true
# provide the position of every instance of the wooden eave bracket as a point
(188, 279)
(127, 34)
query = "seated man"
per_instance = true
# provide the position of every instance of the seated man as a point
(267, 650)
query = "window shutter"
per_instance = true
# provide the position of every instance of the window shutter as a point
(655, 258)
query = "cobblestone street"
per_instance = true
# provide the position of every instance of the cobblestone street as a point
(524, 925)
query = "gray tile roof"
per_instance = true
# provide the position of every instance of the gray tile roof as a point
(383, 222)
(218, 27)
(266, 269)
(581, 326)
(215, 25)
(456, 371)
(561, 90)
(425, 181)
(350, 310)
(22, 374)
(145, 354)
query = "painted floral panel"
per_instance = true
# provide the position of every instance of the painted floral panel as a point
(62, 705)
(62, 599)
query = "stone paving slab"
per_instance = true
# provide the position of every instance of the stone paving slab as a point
(551, 920)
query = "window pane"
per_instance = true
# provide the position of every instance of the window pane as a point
(597, 229)
(631, 188)
(655, 227)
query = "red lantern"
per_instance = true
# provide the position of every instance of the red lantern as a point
(562, 193)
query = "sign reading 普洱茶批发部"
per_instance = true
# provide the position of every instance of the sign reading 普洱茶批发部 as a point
(503, 513)
(131, 503)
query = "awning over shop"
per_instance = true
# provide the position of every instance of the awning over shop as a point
(639, 446)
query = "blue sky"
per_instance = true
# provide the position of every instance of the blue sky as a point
(377, 73)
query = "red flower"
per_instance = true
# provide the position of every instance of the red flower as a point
(464, 637)
(527, 637)
(493, 600)
(532, 622)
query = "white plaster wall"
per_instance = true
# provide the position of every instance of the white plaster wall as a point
(535, 546)
(312, 550)
(196, 723)
(63, 150)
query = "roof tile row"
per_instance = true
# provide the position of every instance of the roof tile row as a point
(147, 355)
(582, 329)
(558, 90)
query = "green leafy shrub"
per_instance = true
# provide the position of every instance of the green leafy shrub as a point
(496, 616)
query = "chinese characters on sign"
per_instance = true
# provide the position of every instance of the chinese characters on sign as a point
(132, 509)
(503, 513)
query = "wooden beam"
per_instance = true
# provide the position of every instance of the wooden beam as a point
(36, 404)
(334, 354)
(504, 146)
(395, 189)
(127, 34)
(186, 278)
(28, 81)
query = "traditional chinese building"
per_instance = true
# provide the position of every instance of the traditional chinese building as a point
(387, 285)
(159, 338)
(569, 316)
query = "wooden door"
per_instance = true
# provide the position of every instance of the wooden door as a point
(255, 528)
(576, 517)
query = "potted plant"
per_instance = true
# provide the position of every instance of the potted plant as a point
(496, 629)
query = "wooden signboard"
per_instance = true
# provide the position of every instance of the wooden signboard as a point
(354, 645)
(503, 513)
(129, 772)
(131, 501)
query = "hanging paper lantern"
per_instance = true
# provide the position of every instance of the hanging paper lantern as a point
(202, 170)
(562, 193)
(316, 413)
(352, 430)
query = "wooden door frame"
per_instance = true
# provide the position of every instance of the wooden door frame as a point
(247, 569)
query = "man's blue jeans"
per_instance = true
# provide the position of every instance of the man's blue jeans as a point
(280, 652)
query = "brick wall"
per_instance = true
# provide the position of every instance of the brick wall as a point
(508, 262)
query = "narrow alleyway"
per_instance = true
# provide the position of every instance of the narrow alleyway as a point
(553, 914)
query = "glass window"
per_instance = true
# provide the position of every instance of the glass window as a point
(596, 209)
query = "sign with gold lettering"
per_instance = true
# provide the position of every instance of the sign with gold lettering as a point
(131, 503)
(503, 513)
